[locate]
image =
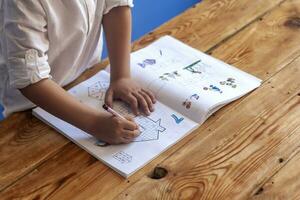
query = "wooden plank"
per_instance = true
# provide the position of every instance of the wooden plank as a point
(40, 147)
(205, 25)
(272, 41)
(210, 22)
(283, 185)
(44, 187)
(24, 143)
(266, 46)
(244, 147)
(275, 23)
(94, 181)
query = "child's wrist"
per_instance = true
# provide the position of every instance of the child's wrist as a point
(89, 121)
(118, 78)
(97, 119)
(120, 71)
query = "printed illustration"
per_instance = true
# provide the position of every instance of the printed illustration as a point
(163, 78)
(97, 90)
(195, 96)
(213, 88)
(229, 82)
(198, 67)
(178, 120)
(150, 129)
(194, 68)
(147, 62)
(160, 52)
(123, 157)
(187, 104)
(171, 75)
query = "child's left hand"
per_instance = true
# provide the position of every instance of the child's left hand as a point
(129, 91)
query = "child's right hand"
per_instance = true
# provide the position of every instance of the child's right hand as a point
(114, 130)
(51, 97)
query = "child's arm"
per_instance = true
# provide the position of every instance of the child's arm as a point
(52, 98)
(26, 38)
(117, 27)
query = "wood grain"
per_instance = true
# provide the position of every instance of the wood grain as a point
(44, 182)
(269, 42)
(205, 25)
(24, 143)
(262, 63)
(210, 22)
(20, 156)
(244, 147)
(283, 185)
(223, 130)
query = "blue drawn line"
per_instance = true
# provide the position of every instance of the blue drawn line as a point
(191, 65)
(215, 88)
(142, 65)
(150, 61)
(147, 62)
(196, 96)
(177, 120)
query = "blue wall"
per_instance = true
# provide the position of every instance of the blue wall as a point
(1, 110)
(149, 14)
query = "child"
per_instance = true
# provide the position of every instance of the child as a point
(47, 44)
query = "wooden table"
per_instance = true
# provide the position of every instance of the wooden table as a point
(247, 150)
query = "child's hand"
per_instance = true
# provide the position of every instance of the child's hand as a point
(130, 92)
(114, 130)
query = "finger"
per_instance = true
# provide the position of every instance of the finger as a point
(130, 124)
(131, 134)
(150, 94)
(142, 102)
(129, 118)
(148, 100)
(109, 98)
(126, 141)
(132, 101)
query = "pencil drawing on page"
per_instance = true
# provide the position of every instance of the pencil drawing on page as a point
(149, 128)
(97, 90)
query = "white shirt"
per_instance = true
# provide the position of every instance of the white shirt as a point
(40, 39)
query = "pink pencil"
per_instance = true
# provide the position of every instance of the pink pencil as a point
(112, 111)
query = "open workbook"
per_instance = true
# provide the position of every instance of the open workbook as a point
(189, 86)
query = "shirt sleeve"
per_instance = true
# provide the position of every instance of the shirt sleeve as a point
(25, 42)
(110, 4)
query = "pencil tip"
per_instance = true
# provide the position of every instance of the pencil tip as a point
(105, 106)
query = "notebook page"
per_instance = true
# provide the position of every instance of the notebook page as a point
(188, 80)
(163, 128)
